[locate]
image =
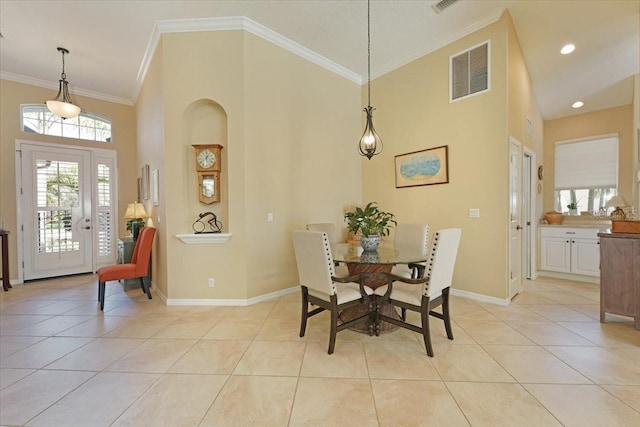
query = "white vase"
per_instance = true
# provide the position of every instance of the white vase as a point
(370, 243)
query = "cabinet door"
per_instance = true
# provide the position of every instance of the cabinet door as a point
(556, 254)
(585, 257)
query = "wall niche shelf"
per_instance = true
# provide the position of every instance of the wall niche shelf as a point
(194, 239)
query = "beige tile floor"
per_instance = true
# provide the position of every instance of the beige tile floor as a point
(545, 360)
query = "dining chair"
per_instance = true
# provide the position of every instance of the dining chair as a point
(138, 268)
(424, 294)
(330, 229)
(413, 238)
(320, 287)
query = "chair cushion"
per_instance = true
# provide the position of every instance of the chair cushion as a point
(117, 272)
(402, 270)
(411, 294)
(345, 291)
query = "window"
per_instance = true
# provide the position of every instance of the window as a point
(469, 72)
(586, 173)
(36, 118)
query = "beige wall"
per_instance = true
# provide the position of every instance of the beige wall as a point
(612, 120)
(124, 142)
(414, 113)
(291, 134)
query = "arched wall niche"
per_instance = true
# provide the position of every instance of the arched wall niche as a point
(205, 122)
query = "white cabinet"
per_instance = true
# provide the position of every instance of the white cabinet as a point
(570, 250)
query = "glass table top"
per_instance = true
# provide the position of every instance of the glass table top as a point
(346, 252)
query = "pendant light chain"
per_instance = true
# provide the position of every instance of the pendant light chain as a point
(64, 75)
(369, 51)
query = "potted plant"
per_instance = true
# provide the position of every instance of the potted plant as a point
(372, 222)
(573, 208)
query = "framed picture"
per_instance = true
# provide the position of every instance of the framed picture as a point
(139, 199)
(426, 167)
(154, 187)
(145, 182)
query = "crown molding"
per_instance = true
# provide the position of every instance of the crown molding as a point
(47, 84)
(234, 23)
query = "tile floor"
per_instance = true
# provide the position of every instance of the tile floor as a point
(545, 360)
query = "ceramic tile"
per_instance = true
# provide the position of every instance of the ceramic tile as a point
(43, 352)
(271, 358)
(468, 363)
(50, 326)
(548, 333)
(280, 329)
(12, 344)
(580, 405)
(330, 401)
(144, 326)
(211, 357)
(95, 327)
(14, 322)
(154, 356)
(266, 401)
(410, 361)
(557, 312)
(415, 403)
(188, 328)
(10, 376)
(493, 332)
(348, 362)
(629, 394)
(174, 400)
(234, 329)
(96, 355)
(491, 405)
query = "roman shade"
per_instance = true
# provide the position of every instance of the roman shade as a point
(587, 164)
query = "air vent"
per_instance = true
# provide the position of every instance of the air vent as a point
(442, 5)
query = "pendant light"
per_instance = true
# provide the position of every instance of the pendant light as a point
(61, 105)
(370, 143)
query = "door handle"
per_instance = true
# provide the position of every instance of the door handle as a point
(87, 227)
(518, 227)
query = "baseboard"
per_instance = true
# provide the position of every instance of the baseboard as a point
(568, 276)
(227, 302)
(479, 297)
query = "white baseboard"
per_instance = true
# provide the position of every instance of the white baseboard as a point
(569, 276)
(227, 302)
(479, 297)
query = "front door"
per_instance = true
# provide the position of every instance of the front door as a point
(515, 219)
(56, 217)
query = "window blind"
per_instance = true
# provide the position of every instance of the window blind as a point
(587, 164)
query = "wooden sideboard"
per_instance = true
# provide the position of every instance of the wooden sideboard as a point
(620, 275)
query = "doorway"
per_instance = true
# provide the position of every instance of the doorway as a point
(66, 203)
(515, 218)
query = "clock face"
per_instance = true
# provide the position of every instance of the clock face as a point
(206, 158)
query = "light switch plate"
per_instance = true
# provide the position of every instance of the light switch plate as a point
(474, 213)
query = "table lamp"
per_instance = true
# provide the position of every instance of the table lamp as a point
(136, 214)
(617, 202)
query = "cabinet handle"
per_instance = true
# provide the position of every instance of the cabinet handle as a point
(570, 232)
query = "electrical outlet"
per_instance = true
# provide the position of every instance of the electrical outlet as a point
(474, 213)
(270, 217)
(212, 282)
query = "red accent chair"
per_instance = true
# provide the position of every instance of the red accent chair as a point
(137, 268)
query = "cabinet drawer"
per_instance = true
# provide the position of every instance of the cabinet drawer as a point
(582, 233)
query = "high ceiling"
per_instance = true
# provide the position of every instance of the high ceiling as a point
(109, 40)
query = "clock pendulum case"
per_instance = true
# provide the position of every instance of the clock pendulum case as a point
(208, 166)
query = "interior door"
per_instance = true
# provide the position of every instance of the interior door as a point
(515, 218)
(56, 211)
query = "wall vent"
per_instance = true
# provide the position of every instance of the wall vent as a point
(442, 5)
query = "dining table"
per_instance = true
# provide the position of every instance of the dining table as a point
(373, 264)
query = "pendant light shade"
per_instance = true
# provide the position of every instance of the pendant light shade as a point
(61, 105)
(370, 143)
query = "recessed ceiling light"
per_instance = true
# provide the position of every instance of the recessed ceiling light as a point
(567, 49)
(577, 104)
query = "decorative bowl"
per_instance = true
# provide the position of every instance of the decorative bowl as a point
(554, 217)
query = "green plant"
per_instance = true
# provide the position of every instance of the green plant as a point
(140, 222)
(572, 206)
(370, 220)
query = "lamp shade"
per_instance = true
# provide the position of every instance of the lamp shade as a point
(616, 201)
(135, 210)
(63, 109)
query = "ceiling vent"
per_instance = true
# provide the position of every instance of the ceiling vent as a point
(442, 5)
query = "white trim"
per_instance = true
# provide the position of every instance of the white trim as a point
(231, 302)
(533, 192)
(468, 50)
(234, 23)
(479, 297)
(569, 276)
(217, 238)
(18, 78)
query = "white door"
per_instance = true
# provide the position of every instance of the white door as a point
(515, 218)
(56, 211)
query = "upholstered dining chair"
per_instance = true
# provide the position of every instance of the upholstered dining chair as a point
(137, 268)
(320, 287)
(332, 234)
(426, 293)
(413, 238)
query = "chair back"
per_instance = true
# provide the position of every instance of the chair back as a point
(444, 250)
(314, 260)
(328, 228)
(142, 251)
(412, 238)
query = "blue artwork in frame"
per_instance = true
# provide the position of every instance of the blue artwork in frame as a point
(424, 167)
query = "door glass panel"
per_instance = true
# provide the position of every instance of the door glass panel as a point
(57, 192)
(105, 226)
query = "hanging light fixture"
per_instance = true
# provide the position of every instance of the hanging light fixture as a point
(62, 106)
(370, 143)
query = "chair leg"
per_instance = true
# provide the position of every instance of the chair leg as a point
(426, 332)
(101, 292)
(146, 286)
(334, 323)
(403, 314)
(304, 312)
(445, 313)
